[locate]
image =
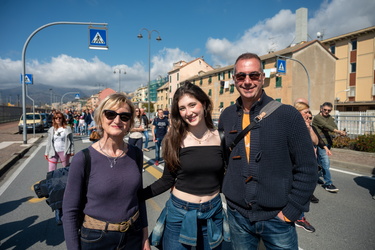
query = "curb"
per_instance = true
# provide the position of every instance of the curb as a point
(15, 157)
(7, 165)
(354, 167)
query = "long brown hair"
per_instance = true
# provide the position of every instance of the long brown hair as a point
(179, 128)
(63, 121)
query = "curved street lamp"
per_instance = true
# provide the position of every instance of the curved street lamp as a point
(119, 78)
(149, 63)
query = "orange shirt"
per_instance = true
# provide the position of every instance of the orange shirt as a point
(245, 123)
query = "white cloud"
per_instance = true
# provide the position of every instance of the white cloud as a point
(273, 33)
(333, 17)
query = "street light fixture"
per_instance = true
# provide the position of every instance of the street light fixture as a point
(337, 98)
(149, 63)
(119, 78)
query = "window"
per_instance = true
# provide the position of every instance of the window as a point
(278, 99)
(210, 79)
(232, 102)
(351, 91)
(209, 92)
(353, 67)
(229, 74)
(354, 44)
(221, 104)
(278, 81)
(332, 48)
(231, 89)
(170, 78)
(201, 81)
(178, 76)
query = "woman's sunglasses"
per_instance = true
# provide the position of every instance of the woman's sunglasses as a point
(111, 115)
(241, 76)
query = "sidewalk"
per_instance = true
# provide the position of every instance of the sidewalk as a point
(12, 149)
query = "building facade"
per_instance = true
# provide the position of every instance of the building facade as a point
(355, 69)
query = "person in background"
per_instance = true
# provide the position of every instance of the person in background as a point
(304, 110)
(114, 217)
(166, 112)
(60, 147)
(193, 215)
(326, 127)
(145, 132)
(88, 119)
(270, 175)
(136, 132)
(159, 129)
(82, 125)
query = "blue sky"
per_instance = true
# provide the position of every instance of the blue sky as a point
(217, 30)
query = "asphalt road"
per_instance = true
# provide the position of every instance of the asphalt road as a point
(343, 221)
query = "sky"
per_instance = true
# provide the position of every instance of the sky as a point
(217, 30)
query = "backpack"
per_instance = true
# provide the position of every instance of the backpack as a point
(53, 187)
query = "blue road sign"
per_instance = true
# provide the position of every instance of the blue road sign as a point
(98, 38)
(281, 66)
(28, 79)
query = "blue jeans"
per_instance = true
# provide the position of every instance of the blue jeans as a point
(323, 160)
(138, 142)
(192, 224)
(146, 138)
(100, 239)
(157, 148)
(275, 233)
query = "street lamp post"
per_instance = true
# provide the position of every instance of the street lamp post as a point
(149, 63)
(50, 91)
(119, 78)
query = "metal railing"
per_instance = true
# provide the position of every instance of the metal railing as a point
(356, 123)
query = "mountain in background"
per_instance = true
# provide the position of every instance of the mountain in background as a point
(41, 95)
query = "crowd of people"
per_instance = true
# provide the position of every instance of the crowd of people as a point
(264, 157)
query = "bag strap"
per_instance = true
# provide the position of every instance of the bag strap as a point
(264, 112)
(86, 176)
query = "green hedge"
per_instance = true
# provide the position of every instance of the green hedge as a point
(365, 143)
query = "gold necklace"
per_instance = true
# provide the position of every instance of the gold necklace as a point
(203, 139)
(112, 163)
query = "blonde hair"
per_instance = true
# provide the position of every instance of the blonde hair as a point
(301, 106)
(115, 100)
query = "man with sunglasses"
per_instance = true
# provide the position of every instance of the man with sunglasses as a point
(326, 127)
(270, 175)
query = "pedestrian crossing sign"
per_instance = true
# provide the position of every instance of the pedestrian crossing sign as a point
(28, 79)
(98, 38)
(281, 66)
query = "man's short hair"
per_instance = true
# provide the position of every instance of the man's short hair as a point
(327, 104)
(248, 55)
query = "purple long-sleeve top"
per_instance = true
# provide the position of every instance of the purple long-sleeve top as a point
(111, 193)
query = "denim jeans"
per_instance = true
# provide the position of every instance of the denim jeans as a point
(275, 233)
(100, 239)
(157, 148)
(138, 142)
(146, 138)
(323, 160)
(191, 224)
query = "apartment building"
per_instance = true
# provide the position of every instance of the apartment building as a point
(355, 69)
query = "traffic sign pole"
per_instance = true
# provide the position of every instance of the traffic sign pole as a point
(24, 66)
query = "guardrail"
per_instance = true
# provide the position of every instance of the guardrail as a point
(356, 125)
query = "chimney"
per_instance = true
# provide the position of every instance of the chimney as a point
(301, 25)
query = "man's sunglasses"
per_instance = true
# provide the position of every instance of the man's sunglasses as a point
(111, 115)
(241, 76)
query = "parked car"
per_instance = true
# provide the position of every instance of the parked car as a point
(45, 119)
(39, 124)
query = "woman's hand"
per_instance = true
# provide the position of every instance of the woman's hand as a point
(145, 241)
